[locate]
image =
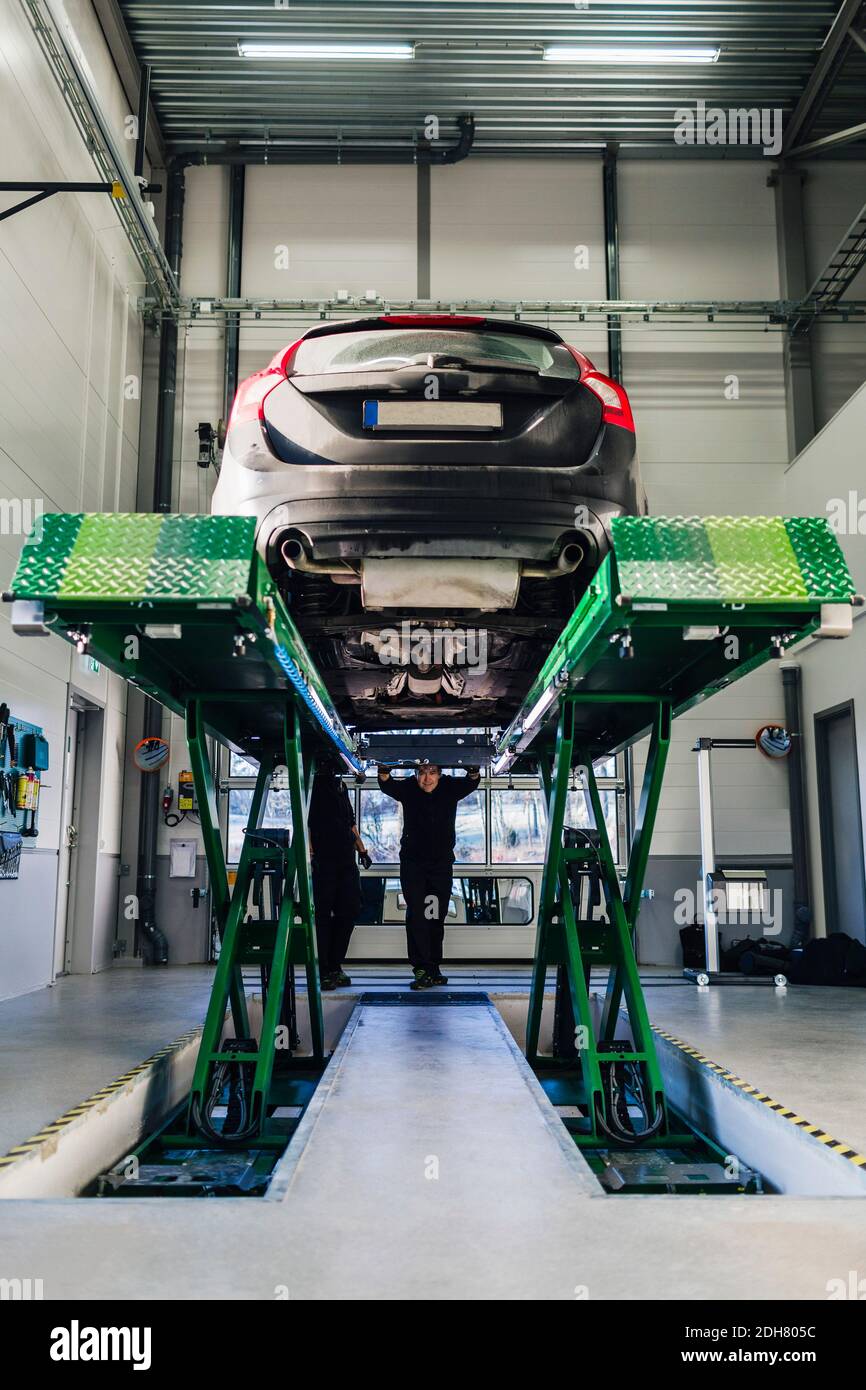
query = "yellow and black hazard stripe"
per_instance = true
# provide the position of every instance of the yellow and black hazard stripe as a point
(814, 1131)
(57, 1126)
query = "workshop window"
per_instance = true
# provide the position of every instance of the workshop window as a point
(482, 901)
(518, 822)
(278, 814)
(239, 766)
(381, 827)
(470, 844)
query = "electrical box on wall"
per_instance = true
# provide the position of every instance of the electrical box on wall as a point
(34, 751)
(186, 793)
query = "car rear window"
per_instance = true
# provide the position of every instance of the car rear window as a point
(384, 349)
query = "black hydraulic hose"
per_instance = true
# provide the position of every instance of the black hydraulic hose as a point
(609, 1122)
(237, 1076)
(458, 152)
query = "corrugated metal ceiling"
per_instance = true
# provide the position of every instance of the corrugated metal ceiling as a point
(482, 56)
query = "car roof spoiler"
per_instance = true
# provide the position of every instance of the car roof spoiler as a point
(433, 320)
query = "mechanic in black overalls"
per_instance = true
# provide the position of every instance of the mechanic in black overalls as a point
(429, 803)
(334, 839)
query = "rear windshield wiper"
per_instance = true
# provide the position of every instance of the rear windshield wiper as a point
(507, 364)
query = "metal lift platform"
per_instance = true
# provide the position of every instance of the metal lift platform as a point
(184, 608)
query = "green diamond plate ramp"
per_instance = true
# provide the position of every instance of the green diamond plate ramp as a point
(137, 556)
(732, 559)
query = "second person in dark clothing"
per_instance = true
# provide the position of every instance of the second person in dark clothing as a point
(334, 839)
(429, 803)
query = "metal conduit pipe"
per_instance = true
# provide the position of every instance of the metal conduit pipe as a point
(150, 936)
(418, 153)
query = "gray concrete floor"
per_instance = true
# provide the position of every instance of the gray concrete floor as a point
(59, 1045)
(805, 1046)
(510, 1215)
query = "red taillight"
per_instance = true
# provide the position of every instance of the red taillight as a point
(284, 358)
(250, 399)
(432, 320)
(615, 407)
(251, 396)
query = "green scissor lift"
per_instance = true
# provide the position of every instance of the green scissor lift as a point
(680, 609)
(184, 608)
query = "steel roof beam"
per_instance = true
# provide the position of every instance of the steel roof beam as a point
(822, 75)
(830, 142)
(120, 45)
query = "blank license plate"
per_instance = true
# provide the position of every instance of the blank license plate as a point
(432, 415)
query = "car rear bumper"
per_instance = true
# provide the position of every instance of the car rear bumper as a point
(347, 512)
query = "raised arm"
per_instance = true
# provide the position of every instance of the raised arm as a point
(395, 787)
(465, 786)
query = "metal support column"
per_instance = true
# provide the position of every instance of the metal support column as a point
(422, 174)
(708, 853)
(164, 464)
(237, 181)
(791, 684)
(148, 824)
(794, 284)
(611, 239)
(143, 109)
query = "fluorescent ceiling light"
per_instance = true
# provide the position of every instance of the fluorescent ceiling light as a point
(592, 53)
(323, 52)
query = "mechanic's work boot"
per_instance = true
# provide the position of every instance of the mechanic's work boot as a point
(342, 978)
(422, 980)
(329, 982)
(437, 977)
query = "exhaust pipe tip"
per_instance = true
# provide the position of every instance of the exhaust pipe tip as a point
(296, 550)
(569, 557)
(566, 562)
(292, 551)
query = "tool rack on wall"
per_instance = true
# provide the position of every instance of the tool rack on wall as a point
(23, 760)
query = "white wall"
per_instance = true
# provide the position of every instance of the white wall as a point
(830, 468)
(702, 230)
(69, 335)
(696, 231)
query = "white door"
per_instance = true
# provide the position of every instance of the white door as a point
(68, 841)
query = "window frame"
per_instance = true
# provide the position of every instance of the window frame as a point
(619, 784)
